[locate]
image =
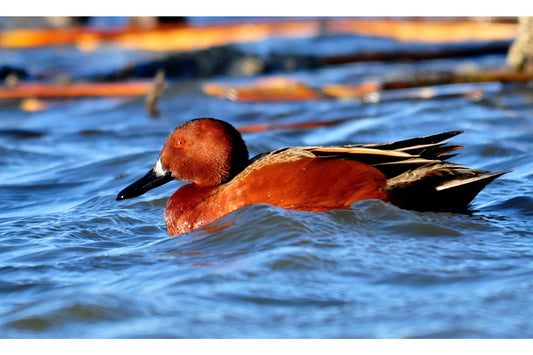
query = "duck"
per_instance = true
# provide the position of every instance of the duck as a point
(212, 157)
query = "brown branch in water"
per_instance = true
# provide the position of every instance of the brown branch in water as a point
(499, 47)
(155, 92)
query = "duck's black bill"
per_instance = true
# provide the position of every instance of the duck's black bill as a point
(149, 181)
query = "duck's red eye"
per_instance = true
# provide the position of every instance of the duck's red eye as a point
(180, 142)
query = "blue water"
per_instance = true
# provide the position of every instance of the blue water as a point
(75, 263)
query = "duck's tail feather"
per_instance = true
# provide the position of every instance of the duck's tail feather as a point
(439, 187)
(431, 151)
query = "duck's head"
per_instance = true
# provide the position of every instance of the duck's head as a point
(204, 151)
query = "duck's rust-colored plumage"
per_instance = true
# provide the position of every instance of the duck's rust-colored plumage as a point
(211, 154)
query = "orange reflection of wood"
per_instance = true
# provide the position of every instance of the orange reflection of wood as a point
(193, 37)
(341, 91)
(428, 29)
(36, 90)
(160, 38)
(272, 89)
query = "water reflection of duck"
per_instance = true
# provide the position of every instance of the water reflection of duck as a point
(212, 156)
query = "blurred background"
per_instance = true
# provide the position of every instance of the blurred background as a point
(86, 104)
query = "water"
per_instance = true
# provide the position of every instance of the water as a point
(75, 263)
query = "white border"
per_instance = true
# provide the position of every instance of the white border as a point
(267, 8)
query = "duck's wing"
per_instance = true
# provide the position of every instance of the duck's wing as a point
(413, 143)
(395, 158)
(427, 147)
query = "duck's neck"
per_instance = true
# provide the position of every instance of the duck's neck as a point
(184, 210)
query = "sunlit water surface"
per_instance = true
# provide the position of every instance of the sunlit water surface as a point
(75, 263)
